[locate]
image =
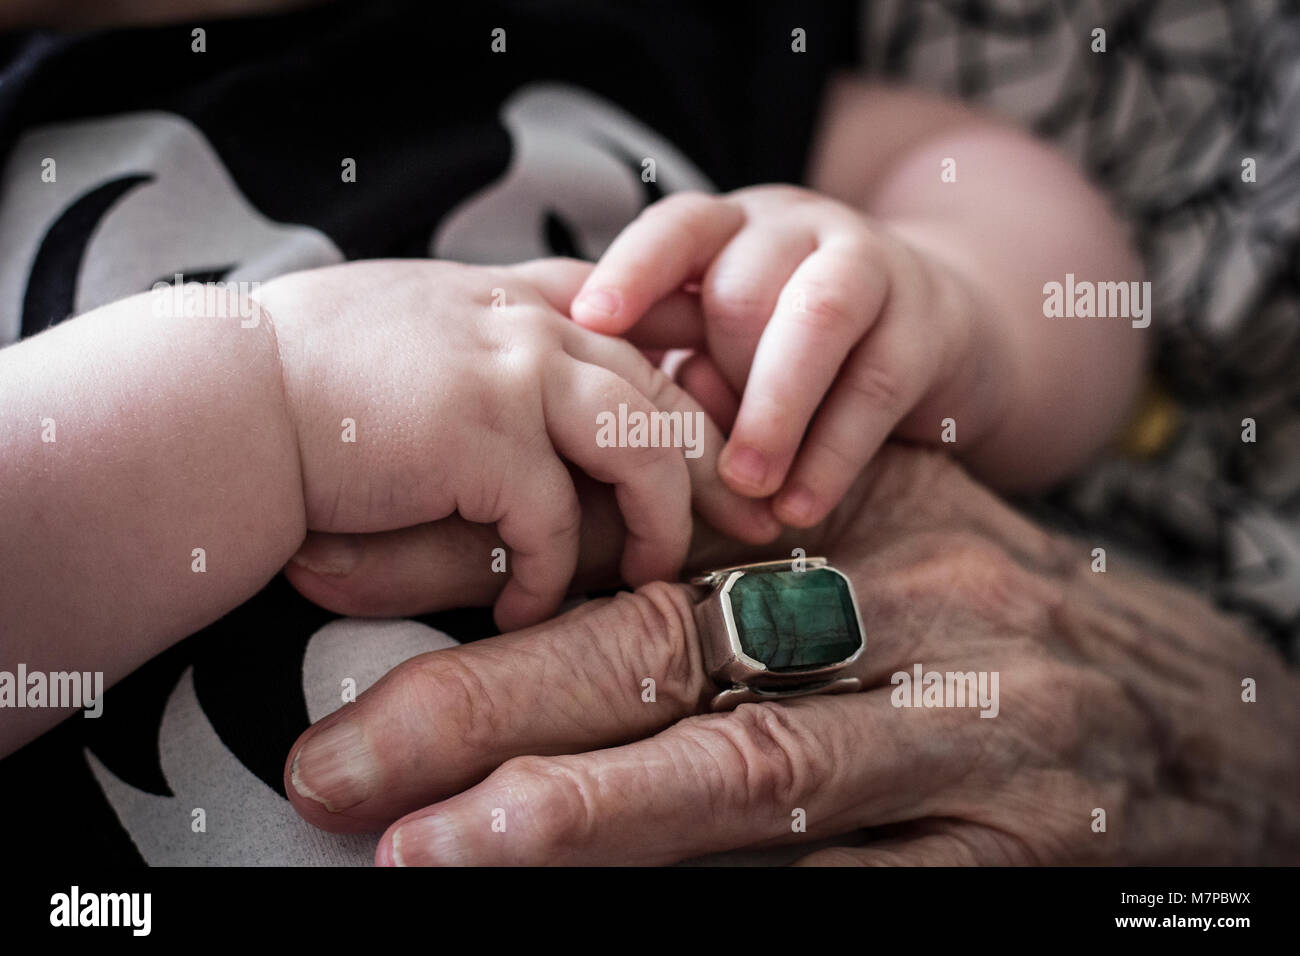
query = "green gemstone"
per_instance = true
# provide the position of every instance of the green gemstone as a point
(795, 620)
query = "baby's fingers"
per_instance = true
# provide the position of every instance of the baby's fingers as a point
(830, 302)
(700, 440)
(699, 376)
(882, 381)
(669, 244)
(589, 415)
(539, 524)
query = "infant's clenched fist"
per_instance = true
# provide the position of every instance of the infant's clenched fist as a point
(468, 386)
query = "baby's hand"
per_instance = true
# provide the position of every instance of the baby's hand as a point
(817, 316)
(420, 389)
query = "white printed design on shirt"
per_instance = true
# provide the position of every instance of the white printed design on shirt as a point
(139, 198)
(246, 822)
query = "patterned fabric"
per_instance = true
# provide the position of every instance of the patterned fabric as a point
(462, 156)
(1190, 119)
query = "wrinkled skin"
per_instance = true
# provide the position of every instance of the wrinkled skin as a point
(1116, 692)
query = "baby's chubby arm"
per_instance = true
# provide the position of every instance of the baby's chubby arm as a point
(127, 441)
(131, 440)
(907, 289)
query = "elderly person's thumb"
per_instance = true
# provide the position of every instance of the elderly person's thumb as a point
(455, 563)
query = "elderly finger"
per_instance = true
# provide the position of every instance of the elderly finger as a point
(765, 773)
(441, 722)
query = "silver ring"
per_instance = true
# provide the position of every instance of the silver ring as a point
(780, 629)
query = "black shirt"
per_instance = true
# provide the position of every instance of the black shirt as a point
(230, 164)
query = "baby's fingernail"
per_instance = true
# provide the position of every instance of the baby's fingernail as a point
(747, 467)
(796, 506)
(334, 555)
(429, 841)
(597, 304)
(335, 767)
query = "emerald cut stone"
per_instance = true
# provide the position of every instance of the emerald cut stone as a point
(795, 620)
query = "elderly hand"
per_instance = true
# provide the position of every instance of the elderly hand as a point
(1117, 693)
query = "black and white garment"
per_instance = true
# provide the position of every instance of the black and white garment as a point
(226, 165)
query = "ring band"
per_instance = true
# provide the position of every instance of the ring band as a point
(780, 629)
